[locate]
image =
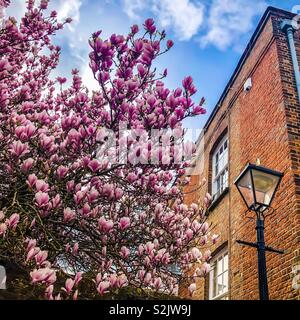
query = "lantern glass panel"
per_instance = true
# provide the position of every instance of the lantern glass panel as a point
(246, 188)
(264, 186)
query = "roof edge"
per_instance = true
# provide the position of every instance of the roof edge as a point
(270, 10)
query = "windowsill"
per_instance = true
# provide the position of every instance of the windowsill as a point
(220, 297)
(218, 199)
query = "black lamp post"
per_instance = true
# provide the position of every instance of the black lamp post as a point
(257, 186)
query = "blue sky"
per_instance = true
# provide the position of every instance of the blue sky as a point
(209, 36)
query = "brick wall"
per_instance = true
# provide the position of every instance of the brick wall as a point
(263, 123)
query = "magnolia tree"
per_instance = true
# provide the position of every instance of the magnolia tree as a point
(91, 183)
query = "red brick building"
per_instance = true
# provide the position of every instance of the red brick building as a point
(257, 117)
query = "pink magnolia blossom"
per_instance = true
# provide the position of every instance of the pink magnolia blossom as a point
(192, 288)
(194, 207)
(124, 252)
(27, 164)
(31, 244)
(57, 297)
(32, 224)
(19, 149)
(49, 292)
(75, 295)
(165, 258)
(79, 196)
(32, 179)
(141, 274)
(32, 252)
(75, 248)
(56, 202)
(70, 185)
(157, 283)
(105, 225)
(113, 279)
(41, 185)
(94, 165)
(42, 199)
(132, 177)
(45, 275)
(108, 190)
(118, 193)
(207, 255)
(78, 278)
(98, 278)
(204, 228)
(140, 249)
(149, 25)
(103, 287)
(121, 281)
(69, 285)
(13, 221)
(41, 257)
(124, 223)
(205, 268)
(92, 195)
(69, 215)
(196, 253)
(149, 247)
(3, 228)
(207, 200)
(62, 171)
(189, 234)
(147, 279)
(24, 133)
(215, 238)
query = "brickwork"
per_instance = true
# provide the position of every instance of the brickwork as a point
(263, 123)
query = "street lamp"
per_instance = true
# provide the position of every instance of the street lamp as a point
(257, 186)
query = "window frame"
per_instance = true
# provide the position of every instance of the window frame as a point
(211, 281)
(216, 192)
(3, 277)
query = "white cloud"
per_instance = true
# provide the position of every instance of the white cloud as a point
(64, 8)
(16, 9)
(69, 8)
(229, 20)
(88, 77)
(184, 16)
(131, 7)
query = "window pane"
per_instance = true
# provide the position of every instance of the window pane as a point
(226, 156)
(217, 157)
(225, 281)
(220, 285)
(221, 163)
(226, 262)
(2, 277)
(213, 279)
(218, 185)
(220, 266)
(220, 170)
(226, 178)
(219, 277)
